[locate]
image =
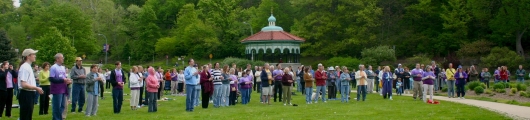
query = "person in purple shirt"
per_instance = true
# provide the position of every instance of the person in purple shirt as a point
(460, 83)
(428, 83)
(58, 87)
(497, 75)
(117, 79)
(417, 75)
(278, 75)
(246, 84)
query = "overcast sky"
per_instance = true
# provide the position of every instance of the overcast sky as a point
(16, 3)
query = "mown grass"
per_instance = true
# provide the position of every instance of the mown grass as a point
(375, 107)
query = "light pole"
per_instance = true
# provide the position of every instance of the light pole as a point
(106, 48)
(251, 32)
(129, 60)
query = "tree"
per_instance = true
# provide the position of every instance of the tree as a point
(502, 56)
(147, 35)
(7, 53)
(376, 55)
(51, 43)
(475, 49)
(512, 19)
(455, 19)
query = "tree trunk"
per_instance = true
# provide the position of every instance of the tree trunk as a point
(518, 45)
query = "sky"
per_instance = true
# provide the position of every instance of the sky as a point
(16, 3)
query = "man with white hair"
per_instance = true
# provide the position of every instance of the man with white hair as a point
(361, 83)
(320, 77)
(370, 80)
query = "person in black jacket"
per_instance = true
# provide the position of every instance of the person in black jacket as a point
(117, 80)
(6, 91)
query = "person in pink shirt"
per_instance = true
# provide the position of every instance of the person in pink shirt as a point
(152, 89)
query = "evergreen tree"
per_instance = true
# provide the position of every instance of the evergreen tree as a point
(7, 53)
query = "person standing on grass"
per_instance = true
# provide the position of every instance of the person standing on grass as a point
(92, 88)
(417, 74)
(180, 85)
(353, 81)
(140, 74)
(245, 82)
(117, 79)
(287, 82)
(405, 77)
(520, 74)
(160, 76)
(6, 88)
(174, 80)
(332, 78)
(152, 85)
(308, 78)
(370, 81)
(266, 83)
(436, 70)
(361, 83)
(300, 79)
(233, 87)
(27, 85)
(225, 87)
(345, 84)
(460, 76)
(278, 74)
(399, 87)
(135, 80)
(428, 83)
(217, 85)
(45, 85)
(450, 74)
(36, 71)
(377, 79)
(78, 74)
(321, 77)
(254, 83)
(206, 86)
(387, 83)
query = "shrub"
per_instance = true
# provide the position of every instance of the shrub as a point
(343, 61)
(473, 85)
(522, 94)
(510, 94)
(502, 56)
(483, 85)
(498, 86)
(513, 85)
(444, 89)
(479, 90)
(488, 91)
(514, 90)
(241, 62)
(501, 90)
(506, 85)
(521, 87)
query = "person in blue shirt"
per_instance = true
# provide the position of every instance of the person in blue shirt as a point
(191, 76)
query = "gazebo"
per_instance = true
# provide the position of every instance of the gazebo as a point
(273, 45)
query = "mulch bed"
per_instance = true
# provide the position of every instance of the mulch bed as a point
(505, 96)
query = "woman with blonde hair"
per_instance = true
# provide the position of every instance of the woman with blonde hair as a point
(387, 82)
(135, 81)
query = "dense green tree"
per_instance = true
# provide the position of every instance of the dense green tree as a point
(7, 52)
(51, 43)
(148, 34)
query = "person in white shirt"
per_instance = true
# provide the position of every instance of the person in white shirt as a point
(27, 85)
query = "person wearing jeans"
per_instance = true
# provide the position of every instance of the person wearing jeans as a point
(78, 74)
(152, 86)
(361, 83)
(58, 87)
(225, 87)
(321, 77)
(117, 79)
(460, 83)
(191, 76)
(217, 85)
(345, 84)
(450, 74)
(308, 78)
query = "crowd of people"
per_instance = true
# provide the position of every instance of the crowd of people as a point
(220, 85)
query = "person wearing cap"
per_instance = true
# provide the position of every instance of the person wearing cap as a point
(417, 74)
(332, 78)
(78, 74)
(450, 74)
(27, 85)
(117, 79)
(58, 87)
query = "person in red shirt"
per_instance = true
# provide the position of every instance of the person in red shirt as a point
(504, 74)
(321, 77)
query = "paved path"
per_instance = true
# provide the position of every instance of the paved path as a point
(512, 111)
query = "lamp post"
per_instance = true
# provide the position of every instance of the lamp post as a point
(251, 32)
(129, 60)
(106, 48)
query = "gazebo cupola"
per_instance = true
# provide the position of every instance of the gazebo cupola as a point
(272, 44)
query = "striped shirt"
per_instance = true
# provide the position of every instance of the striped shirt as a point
(217, 77)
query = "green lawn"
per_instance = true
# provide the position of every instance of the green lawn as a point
(375, 108)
